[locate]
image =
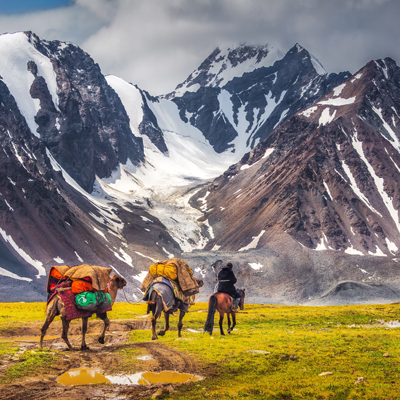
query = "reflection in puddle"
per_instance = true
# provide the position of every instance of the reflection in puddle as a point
(25, 338)
(82, 376)
(89, 376)
(147, 378)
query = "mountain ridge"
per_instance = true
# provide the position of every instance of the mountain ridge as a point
(113, 176)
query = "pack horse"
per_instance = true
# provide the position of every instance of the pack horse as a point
(67, 284)
(169, 286)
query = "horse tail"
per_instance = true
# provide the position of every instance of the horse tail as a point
(209, 325)
(155, 305)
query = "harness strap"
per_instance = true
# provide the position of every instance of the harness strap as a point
(226, 280)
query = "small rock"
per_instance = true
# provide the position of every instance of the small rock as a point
(386, 355)
(259, 352)
(359, 380)
(325, 373)
(170, 389)
(292, 357)
(158, 393)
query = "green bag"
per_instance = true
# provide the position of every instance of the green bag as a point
(90, 301)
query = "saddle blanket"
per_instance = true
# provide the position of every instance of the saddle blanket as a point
(166, 290)
(68, 298)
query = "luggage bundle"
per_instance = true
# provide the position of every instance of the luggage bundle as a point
(88, 283)
(180, 276)
(91, 301)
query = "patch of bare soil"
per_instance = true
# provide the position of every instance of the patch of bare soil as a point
(108, 358)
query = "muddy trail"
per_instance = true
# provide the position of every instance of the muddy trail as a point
(108, 359)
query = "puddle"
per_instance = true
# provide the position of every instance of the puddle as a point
(147, 378)
(26, 338)
(393, 324)
(90, 376)
(82, 376)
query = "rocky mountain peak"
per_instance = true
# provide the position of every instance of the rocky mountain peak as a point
(224, 64)
(69, 105)
(328, 176)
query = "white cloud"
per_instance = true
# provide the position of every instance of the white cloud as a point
(156, 44)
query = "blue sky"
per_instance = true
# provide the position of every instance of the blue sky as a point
(22, 6)
(156, 44)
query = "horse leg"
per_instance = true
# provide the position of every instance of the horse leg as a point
(84, 330)
(157, 310)
(221, 318)
(229, 322)
(51, 313)
(103, 317)
(65, 326)
(180, 323)
(233, 322)
(166, 327)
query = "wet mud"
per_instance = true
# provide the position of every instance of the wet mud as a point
(107, 359)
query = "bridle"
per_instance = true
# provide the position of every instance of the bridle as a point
(123, 290)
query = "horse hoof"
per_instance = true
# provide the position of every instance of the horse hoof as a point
(83, 348)
(101, 340)
(154, 338)
(161, 333)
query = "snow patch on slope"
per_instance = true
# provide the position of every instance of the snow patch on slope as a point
(35, 263)
(16, 52)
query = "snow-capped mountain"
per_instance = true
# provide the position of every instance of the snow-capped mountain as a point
(97, 171)
(329, 176)
(238, 96)
(327, 179)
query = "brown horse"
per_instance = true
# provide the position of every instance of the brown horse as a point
(56, 307)
(222, 303)
(156, 307)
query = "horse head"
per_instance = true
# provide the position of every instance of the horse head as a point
(119, 281)
(242, 295)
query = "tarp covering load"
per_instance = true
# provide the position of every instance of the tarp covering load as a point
(82, 288)
(99, 275)
(188, 284)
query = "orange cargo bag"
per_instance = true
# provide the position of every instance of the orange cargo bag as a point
(79, 286)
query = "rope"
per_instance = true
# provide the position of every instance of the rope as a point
(126, 297)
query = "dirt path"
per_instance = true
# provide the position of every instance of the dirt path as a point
(108, 358)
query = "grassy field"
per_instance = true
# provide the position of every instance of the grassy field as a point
(275, 352)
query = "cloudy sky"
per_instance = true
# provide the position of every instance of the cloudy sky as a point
(156, 44)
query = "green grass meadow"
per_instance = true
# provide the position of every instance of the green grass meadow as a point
(275, 352)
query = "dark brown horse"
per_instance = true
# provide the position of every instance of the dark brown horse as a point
(222, 303)
(156, 307)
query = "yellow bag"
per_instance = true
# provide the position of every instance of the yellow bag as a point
(166, 270)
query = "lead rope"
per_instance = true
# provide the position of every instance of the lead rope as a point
(126, 297)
